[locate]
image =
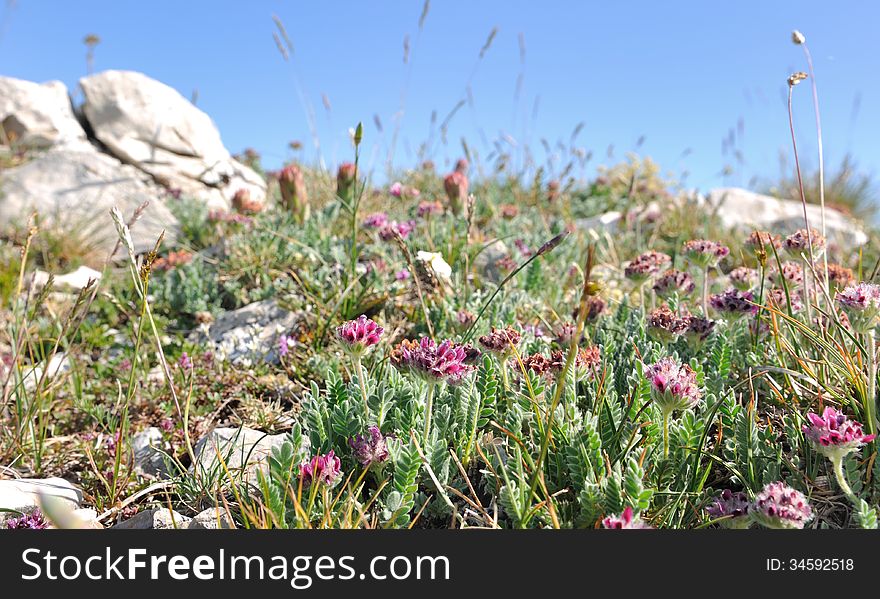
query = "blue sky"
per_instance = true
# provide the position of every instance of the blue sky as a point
(681, 74)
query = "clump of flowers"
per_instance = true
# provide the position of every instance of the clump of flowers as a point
(285, 342)
(799, 241)
(325, 469)
(456, 186)
(733, 303)
(174, 259)
(345, 179)
(839, 277)
(673, 387)
(780, 506)
(704, 252)
(861, 304)
(393, 228)
(699, 329)
(243, 203)
(763, 240)
(674, 281)
(370, 448)
(565, 333)
(835, 436)
(376, 220)
(595, 308)
(399, 190)
(664, 325)
(427, 209)
(778, 299)
(433, 363)
(731, 509)
(430, 361)
(294, 196)
(509, 211)
(501, 341)
(743, 278)
(35, 521)
(626, 519)
(791, 272)
(357, 335)
(645, 266)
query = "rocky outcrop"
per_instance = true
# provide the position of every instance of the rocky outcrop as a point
(242, 450)
(38, 115)
(248, 335)
(73, 191)
(743, 209)
(148, 124)
(24, 495)
(141, 140)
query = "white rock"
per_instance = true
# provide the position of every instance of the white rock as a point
(249, 334)
(39, 114)
(743, 209)
(75, 280)
(73, 190)
(240, 449)
(486, 262)
(23, 495)
(58, 364)
(150, 125)
(211, 519)
(148, 446)
(154, 519)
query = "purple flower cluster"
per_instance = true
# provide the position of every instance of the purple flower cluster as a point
(699, 329)
(834, 435)
(731, 508)
(861, 303)
(322, 468)
(780, 506)
(733, 303)
(501, 341)
(376, 220)
(674, 281)
(645, 266)
(626, 519)
(743, 278)
(358, 335)
(664, 325)
(777, 298)
(427, 209)
(791, 272)
(285, 342)
(673, 385)
(763, 239)
(35, 520)
(392, 228)
(432, 362)
(369, 448)
(704, 252)
(799, 241)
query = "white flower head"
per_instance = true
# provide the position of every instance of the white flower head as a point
(437, 263)
(797, 37)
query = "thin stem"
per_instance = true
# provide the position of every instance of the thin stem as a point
(429, 407)
(800, 178)
(870, 400)
(706, 291)
(837, 466)
(362, 379)
(666, 415)
(821, 152)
